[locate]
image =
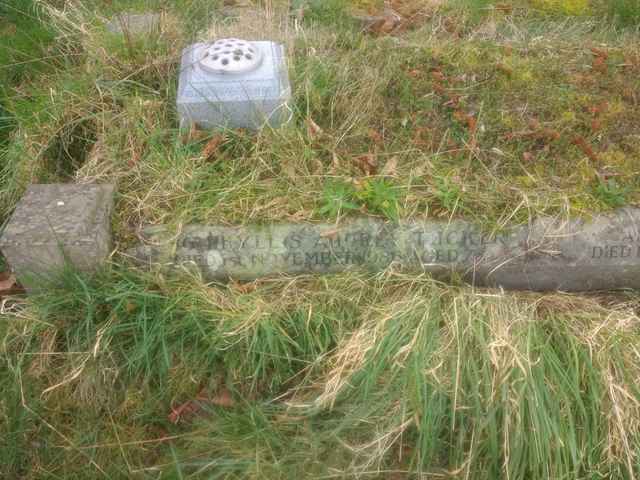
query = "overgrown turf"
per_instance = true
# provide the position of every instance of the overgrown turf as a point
(492, 111)
(346, 375)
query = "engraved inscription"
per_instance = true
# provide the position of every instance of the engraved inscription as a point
(312, 249)
(547, 254)
(628, 247)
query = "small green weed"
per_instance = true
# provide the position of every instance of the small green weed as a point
(610, 194)
(337, 198)
(448, 194)
(381, 197)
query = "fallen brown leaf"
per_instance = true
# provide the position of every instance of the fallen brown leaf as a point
(550, 134)
(135, 158)
(598, 52)
(7, 282)
(600, 64)
(375, 136)
(501, 67)
(244, 287)
(599, 108)
(439, 88)
(504, 8)
(195, 407)
(469, 120)
(600, 60)
(390, 168)
(367, 163)
(438, 75)
(223, 399)
(582, 144)
(383, 24)
(313, 129)
(184, 411)
(212, 146)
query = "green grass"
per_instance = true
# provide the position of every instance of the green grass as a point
(484, 110)
(489, 121)
(625, 12)
(346, 375)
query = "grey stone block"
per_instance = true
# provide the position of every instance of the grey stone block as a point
(549, 254)
(56, 224)
(248, 98)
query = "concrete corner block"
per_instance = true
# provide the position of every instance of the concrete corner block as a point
(58, 224)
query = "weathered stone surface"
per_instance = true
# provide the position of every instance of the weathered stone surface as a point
(248, 99)
(55, 223)
(551, 254)
(135, 23)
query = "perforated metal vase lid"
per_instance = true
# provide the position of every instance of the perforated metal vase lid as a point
(231, 55)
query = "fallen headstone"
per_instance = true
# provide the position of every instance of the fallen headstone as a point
(56, 224)
(233, 83)
(550, 254)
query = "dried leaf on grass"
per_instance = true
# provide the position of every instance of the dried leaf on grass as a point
(368, 163)
(313, 129)
(244, 287)
(467, 119)
(9, 285)
(7, 282)
(390, 168)
(600, 60)
(223, 398)
(196, 407)
(505, 8)
(212, 146)
(375, 136)
(184, 410)
(384, 24)
(582, 144)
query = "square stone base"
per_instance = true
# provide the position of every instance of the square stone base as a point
(55, 225)
(241, 100)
